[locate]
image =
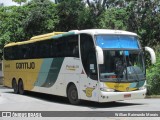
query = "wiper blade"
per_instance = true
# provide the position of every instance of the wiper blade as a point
(134, 70)
(119, 70)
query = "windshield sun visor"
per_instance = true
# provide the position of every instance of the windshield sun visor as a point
(117, 41)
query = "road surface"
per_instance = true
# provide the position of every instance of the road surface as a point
(43, 102)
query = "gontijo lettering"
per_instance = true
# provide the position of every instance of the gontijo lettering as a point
(25, 65)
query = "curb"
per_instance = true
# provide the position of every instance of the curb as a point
(153, 96)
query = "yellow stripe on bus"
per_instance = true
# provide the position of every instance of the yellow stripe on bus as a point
(120, 86)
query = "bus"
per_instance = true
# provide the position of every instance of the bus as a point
(99, 65)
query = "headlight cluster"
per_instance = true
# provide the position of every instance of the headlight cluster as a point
(107, 89)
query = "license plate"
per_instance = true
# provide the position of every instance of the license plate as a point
(127, 95)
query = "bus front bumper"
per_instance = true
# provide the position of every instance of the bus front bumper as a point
(117, 96)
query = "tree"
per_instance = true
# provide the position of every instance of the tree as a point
(41, 18)
(144, 20)
(18, 23)
(68, 12)
(11, 29)
(58, 1)
(153, 76)
(97, 6)
(19, 1)
(114, 18)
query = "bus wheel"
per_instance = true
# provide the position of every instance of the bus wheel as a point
(21, 87)
(72, 95)
(15, 86)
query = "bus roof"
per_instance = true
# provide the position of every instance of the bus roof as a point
(96, 32)
(35, 38)
(105, 31)
(60, 34)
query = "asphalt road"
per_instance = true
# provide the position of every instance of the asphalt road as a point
(43, 102)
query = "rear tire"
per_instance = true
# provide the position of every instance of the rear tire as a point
(21, 87)
(15, 86)
(72, 95)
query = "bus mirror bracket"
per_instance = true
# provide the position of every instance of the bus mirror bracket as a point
(152, 54)
(100, 56)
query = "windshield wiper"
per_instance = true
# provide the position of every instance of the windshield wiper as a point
(134, 70)
(120, 66)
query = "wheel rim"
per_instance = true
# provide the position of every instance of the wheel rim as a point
(74, 95)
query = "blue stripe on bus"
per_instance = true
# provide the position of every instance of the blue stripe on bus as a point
(44, 72)
(49, 72)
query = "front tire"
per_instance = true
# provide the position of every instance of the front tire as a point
(72, 95)
(15, 86)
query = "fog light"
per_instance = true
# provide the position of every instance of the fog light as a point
(107, 89)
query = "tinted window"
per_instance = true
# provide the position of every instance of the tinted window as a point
(61, 47)
(88, 56)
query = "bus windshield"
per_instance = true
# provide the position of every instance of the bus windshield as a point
(123, 60)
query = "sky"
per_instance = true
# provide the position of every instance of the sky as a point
(9, 2)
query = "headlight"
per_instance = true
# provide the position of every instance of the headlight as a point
(107, 89)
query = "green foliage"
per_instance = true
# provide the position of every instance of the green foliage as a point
(11, 29)
(68, 12)
(153, 77)
(58, 1)
(41, 18)
(19, 1)
(86, 19)
(114, 19)
(144, 20)
(18, 23)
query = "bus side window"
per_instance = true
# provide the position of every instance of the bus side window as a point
(60, 48)
(15, 55)
(76, 51)
(33, 51)
(72, 46)
(53, 50)
(44, 49)
(8, 53)
(88, 56)
(24, 50)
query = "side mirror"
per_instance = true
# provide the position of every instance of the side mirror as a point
(152, 54)
(100, 56)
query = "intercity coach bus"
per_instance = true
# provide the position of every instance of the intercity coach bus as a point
(98, 65)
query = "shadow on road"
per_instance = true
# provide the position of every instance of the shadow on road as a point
(64, 100)
(4, 87)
